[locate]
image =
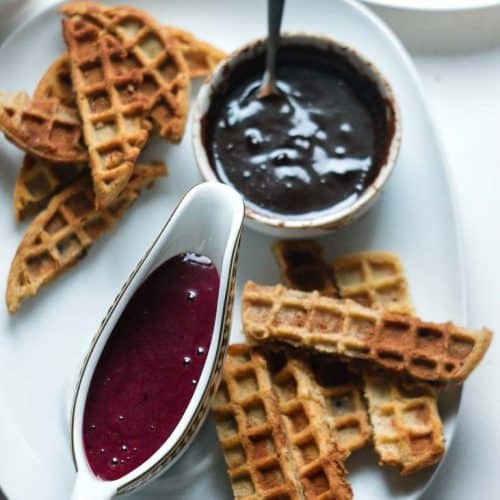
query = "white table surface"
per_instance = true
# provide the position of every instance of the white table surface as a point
(458, 57)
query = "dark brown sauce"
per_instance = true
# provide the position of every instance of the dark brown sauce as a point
(315, 147)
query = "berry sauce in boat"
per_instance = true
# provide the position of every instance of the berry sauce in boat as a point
(150, 365)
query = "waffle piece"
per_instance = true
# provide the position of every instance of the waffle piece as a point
(317, 458)
(402, 344)
(272, 455)
(201, 57)
(342, 392)
(373, 279)
(56, 82)
(151, 54)
(38, 180)
(112, 112)
(42, 127)
(251, 431)
(60, 235)
(407, 429)
(303, 267)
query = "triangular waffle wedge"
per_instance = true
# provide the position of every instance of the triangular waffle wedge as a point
(407, 429)
(151, 54)
(44, 128)
(201, 57)
(38, 180)
(56, 82)
(61, 234)
(274, 446)
(112, 112)
(373, 279)
(302, 266)
(399, 343)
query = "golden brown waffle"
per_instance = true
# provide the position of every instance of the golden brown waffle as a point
(38, 180)
(60, 235)
(45, 128)
(373, 279)
(303, 267)
(342, 391)
(56, 82)
(151, 55)
(407, 430)
(402, 344)
(317, 458)
(272, 455)
(112, 112)
(251, 431)
(201, 57)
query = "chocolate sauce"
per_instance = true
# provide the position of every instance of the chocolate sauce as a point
(314, 147)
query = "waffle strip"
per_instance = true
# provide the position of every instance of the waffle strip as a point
(302, 266)
(114, 126)
(251, 431)
(38, 180)
(402, 344)
(407, 429)
(201, 57)
(61, 234)
(317, 458)
(273, 444)
(44, 128)
(373, 279)
(56, 82)
(151, 55)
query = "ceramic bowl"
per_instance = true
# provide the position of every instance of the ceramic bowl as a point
(188, 230)
(274, 224)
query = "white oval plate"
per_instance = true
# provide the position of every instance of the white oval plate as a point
(41, 346)
(436, 5)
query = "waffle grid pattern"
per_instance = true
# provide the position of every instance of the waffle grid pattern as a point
(318, 460)
(250, 430)
(45, 128)
(61, 234)
(302, 266)
(408, 432)
(373, 279)
(112, 112)
(38, 180)
(407, 429)
(403, 344)
(201, 57)
(163, 73)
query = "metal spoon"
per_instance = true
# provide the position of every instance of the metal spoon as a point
(274, 15)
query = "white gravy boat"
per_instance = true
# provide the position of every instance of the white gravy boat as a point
(208, 220)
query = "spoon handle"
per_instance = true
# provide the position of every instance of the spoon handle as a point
(274, 15)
